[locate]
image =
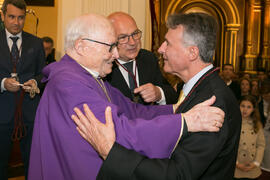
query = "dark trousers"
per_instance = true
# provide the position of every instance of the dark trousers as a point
(6, 146)
(244, 179)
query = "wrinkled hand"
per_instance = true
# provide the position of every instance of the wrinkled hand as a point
(148, 92)
(28, 85)
(100, 136)
(11, 85)
(204, 117)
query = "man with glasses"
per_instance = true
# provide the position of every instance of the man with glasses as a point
(58, 152)
(136, 72)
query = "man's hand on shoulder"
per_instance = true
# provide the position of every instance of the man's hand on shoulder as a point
(204, 117)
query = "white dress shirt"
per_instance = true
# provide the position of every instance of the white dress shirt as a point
(189, 85)
(162, 101)
(10, 43)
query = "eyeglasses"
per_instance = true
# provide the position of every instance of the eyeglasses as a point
(113, 45)
(123, 39)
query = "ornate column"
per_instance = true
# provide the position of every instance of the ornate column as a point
(265, 56)
(231, 31)
(252, 44)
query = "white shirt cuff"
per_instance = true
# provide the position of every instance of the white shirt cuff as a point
(162, 101)
(2, 85)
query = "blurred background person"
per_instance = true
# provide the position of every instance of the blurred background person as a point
(49, 49)
(264, 101)
(227, 75)
(255, 87)
(265, 166)
(245, 86)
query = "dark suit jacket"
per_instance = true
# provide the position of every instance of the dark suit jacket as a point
(235, 87)
(29, 67)
(261, 111)
(203, 155)
(149, 72)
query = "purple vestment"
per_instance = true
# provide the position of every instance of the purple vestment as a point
(59, 152)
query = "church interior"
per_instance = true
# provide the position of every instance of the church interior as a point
(243, 38)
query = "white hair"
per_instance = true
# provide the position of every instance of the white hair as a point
(90, 25)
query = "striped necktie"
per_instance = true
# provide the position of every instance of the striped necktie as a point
(14, 50)
(129, 67)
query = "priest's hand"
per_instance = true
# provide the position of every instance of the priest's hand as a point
(100, 136)
(204, 117)
(149, 92)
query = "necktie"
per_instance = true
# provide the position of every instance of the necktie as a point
(129, 67)
(180, 99)
(14, 50)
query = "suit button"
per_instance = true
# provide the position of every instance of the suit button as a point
(244, 155)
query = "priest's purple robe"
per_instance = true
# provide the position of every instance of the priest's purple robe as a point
(58, 151)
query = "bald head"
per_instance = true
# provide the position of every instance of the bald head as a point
(121, 19)
(125, 26)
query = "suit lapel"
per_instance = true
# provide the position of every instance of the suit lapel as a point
(118, 81)
(197, 86)
(5, 50)
(142, 70)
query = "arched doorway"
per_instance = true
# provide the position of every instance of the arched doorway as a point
(227, 15)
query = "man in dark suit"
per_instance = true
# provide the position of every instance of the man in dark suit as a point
(49, 50)
(188, 53)
(227, 75)
(143, 82)
(21, 61)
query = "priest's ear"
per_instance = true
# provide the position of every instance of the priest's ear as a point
(81, 47)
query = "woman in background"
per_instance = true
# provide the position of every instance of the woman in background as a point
(245, 86)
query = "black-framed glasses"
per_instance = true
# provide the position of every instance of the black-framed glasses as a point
(123, 39)
(113, 45)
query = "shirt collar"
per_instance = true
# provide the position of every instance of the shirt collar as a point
(189, 85)
(19, 35)
(93, 73)
(123, 62)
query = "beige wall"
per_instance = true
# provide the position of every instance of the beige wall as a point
(48, 17)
